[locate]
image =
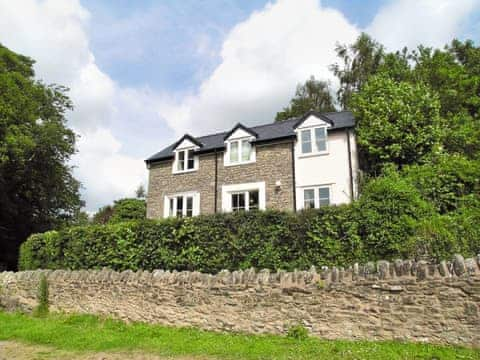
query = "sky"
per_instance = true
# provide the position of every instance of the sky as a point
(142, 73)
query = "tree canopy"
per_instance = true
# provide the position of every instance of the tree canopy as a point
(37, 188)
(121, 210)
(397, 122)
(313, 95)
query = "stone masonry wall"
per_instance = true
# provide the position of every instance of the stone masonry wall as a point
(273, 162)
(163, 182)
(402, 300)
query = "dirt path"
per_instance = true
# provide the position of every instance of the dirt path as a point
(11, 350)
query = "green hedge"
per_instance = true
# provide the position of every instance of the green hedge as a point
(206, 243)
(329, 236)
(392, 219)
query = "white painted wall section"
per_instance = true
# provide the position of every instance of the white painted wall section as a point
(330, 168)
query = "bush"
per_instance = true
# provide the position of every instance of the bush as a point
(387, 216)
(297, 332)
(121, 210)
(42, 297)
(445, 180)
(390, 220)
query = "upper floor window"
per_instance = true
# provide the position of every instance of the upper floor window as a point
(239, 152)
(314, 140)
(184, 161)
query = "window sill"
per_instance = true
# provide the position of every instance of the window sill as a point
(184, 171)
(323, 153)
(239, 163)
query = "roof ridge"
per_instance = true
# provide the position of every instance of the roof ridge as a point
(256, 126)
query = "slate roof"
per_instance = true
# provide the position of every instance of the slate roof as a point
(265, 133)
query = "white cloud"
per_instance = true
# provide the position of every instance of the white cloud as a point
(108, 173)
(265, 56)
(53, 32)
(413, 22)
(263, 59)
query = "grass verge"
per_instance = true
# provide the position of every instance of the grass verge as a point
(86, 333)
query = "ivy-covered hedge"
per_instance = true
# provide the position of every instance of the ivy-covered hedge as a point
(268, 239)
(392, 221)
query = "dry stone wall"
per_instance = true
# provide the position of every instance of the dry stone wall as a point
(403, 300)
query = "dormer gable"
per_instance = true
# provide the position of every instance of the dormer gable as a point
(240, 131)
(313, 119)
(185, 142)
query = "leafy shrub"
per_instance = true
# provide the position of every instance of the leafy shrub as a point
(42, 297)
(390, 220)
(297, 332)
(122, 210)
(440, 236)
(42, 251)
(445, 180)
(387, 215)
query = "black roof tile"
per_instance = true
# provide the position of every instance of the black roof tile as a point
(265, 133)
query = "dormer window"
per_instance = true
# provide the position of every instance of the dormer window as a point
(185, 160)
(238, 145)
(240, 151)
(314, 140)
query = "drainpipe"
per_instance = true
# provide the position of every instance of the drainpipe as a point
(293, 177)
(216, 183)
(350, 170)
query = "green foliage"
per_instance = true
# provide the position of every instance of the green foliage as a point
(386, 223)
(128, 209)
(297, 332)
(42, 297)
(103, 215)
(359, 61)
(445, 180)
(122, 210)
(397, 123)
(41, 251)
(37, 188)
(313, 95)
(387, 215)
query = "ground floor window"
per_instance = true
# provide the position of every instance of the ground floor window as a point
(243, 197)
(316, 197)
(245, 200)
(182, 205)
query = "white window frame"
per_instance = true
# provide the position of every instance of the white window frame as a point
(246, 194)
(177, 152)
(313, 141)
(316, 195)
(195, 204)
(228, 144)
(229, 190)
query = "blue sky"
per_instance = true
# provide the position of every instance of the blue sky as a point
(166, 36)
(142, 73)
